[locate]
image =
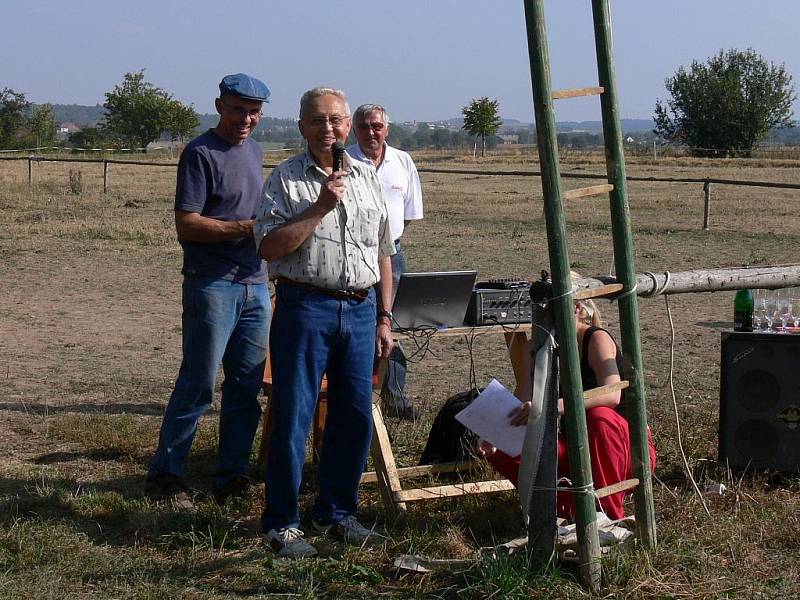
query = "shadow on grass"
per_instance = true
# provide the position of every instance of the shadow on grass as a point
(40, 409)
(115, 512)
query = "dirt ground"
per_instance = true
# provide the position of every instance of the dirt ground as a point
(90, 303)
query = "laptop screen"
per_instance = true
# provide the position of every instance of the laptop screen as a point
(437, 299)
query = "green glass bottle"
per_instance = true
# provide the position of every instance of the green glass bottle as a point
(743, 311)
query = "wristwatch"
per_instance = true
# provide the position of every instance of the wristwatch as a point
(385, 313)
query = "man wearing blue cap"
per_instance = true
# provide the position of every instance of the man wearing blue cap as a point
(226, 307)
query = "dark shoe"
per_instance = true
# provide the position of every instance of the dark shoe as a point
(169, 488)
(404, 413)
(350, 531)
(236, 489)
(289, 543)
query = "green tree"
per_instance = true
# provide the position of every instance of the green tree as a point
(481, 119)
(422, 136)
(726, 105)
(87, 138)
(182, 120)
(137, 112)
(13, 121)
(42, 126)
(440, 138)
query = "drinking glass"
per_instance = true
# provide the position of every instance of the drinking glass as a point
(794, 296)
(771, 308)
(759, 308)
(784, 309)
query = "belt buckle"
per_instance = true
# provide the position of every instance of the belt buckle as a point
(354, 294)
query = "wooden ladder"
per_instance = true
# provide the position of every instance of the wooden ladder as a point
(563, 294)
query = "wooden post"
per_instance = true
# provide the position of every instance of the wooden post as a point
(30, 171)
(562, 301)
(655, 155)
(626, 273)
(707, 205)
(705, 280)
(105, 176)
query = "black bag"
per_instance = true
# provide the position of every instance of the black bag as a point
(449, 440)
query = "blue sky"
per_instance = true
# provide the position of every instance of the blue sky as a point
(422, 60)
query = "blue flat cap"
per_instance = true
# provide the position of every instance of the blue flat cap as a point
(244, 86)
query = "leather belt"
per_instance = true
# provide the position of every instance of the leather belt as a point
(358, 295)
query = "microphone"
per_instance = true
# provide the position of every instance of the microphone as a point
(337, 149)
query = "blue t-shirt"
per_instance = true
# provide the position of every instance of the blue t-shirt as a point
(221, 181)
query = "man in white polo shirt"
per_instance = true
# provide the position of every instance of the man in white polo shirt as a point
(403, 194)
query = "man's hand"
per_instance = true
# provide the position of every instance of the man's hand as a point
(384, 342)
(333, 189)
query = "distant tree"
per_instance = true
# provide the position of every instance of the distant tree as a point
(42, 126)
(87, 138)
(182, 120)
(481, 119)
(400, 136)
(727, 105)
(440, 138)
(137, 112)
(13, 120)
(422, 136)
(457, 139)
(524, 136)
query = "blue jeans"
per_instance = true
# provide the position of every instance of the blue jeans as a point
(393, 397)
(228, 322)
(313, 334)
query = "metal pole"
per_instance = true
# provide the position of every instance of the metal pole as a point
(30, 171)
(571, 386)
(105, 176)
(707, 205)
(626, 274)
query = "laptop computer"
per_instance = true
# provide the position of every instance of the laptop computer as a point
(437, 299)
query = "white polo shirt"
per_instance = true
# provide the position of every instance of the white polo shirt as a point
(400, 183)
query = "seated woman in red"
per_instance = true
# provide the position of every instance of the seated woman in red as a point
(606, 423)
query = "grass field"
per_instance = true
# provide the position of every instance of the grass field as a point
(90, 346)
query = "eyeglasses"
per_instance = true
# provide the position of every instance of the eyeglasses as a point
(242, 113)
(373, 126)
(320, 122)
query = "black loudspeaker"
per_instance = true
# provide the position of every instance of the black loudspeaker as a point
(759, 417)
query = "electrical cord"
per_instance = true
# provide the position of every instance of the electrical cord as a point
(679, 436)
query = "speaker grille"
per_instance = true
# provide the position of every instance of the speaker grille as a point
(757, 391)
(757, 440)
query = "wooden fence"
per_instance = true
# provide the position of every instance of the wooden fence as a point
(706, 181)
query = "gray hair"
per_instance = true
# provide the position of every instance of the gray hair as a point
(362, 111)
(318, 91)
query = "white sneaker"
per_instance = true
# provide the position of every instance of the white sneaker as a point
(350, 531)
(289, 542)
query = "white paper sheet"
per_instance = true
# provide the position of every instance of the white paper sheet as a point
(487, 416)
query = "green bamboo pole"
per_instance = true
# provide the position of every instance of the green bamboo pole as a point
(564, 311)
(626, 272)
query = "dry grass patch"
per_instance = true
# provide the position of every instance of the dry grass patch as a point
(90, 316)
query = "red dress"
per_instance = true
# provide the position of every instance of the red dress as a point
(609, 448)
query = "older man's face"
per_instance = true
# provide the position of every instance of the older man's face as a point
(325, 121)
(371, 132)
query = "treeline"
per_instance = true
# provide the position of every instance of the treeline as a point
(23, 125)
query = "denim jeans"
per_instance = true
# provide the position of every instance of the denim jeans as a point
(313, 334)
(393, 397)
(228, 322)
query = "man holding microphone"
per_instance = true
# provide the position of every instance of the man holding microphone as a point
(326, 238)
